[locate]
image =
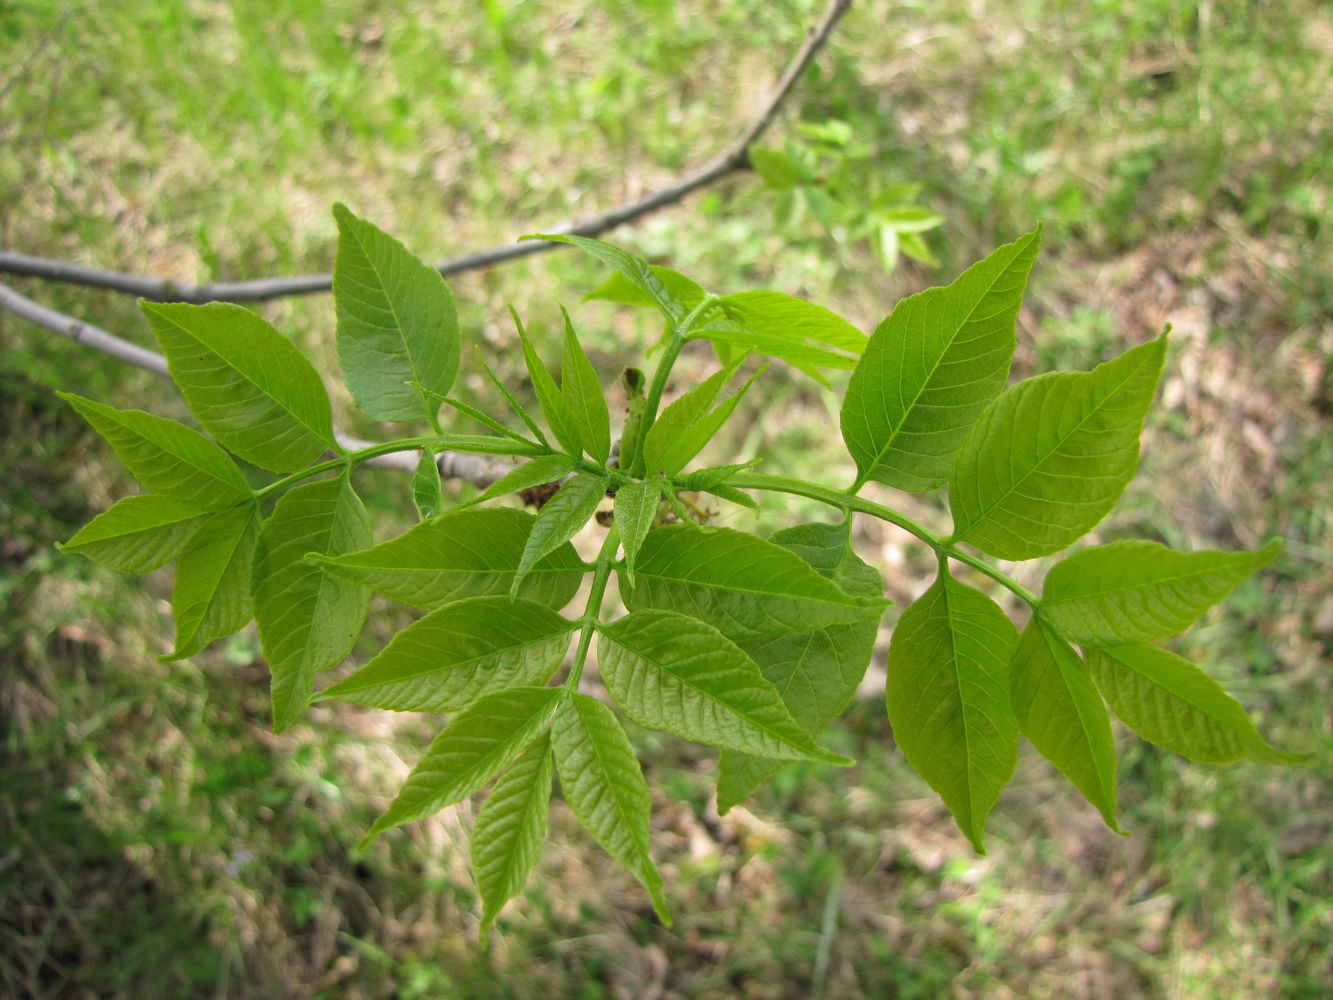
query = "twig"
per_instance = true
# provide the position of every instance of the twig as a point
(475, 469)
(734, 158)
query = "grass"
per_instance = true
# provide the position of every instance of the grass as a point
(157, 840)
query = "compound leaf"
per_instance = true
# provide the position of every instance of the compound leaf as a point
(661, 442)
(511, 828)
(137, 534)
(211, 596)
(687, 439)
(564, 514)
(583, 396)
(931, 367)
(308, 618)
(165, 456)
(396, 323)
(947, 694)
(603, 784)
(1059, 710)
(1132, 591)
(482, 741)
(248, 384)
(1169, 701)
(458, 653)
(1049, 457)
(744, 586)
(463, 553)
(679, 675)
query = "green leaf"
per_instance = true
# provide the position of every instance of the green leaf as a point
(482, 741)
(774, 166)
(744, 586)
(458, 653)
(513, 403)
(464, 553)
(248, 384)
(687, 439)
(166, 457)
(308, 619)
(635, 269)
(555, 409)
(583, 397)
(564, 514)
(777, 314)
(676, 674)
(1049, 457)
(396, 322)
(817, 672)
(635, 512)
(211, 597)
(621, 291)
(734, 495)
(706, 479)
(427, 494)
(676, 419)
(1132, 591)
(137, 534)
(1060, 712)
(1171, 702)
(931, 367)
(541, 470)
(602, 782)
(948, 698)
(508, 836)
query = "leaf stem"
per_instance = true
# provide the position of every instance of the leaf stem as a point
(680, 334)
(587, 623)
(846, 501)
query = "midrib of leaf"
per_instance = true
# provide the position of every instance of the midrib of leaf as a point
(862, 479)
(319, 434)
(393, 310)
(1014, 487)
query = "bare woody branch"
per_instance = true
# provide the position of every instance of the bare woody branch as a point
(478, 470)
(735, 157)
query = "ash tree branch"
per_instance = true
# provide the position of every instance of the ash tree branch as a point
(734, 158)
(478, 470)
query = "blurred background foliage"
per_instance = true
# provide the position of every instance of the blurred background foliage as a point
(156, 840)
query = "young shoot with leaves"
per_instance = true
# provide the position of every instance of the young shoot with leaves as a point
(751, 645)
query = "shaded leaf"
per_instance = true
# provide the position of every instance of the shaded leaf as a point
(635, 512)
(661, 443)
(583, 397)
(538, 472)
(635, 269)
(555, 408)
(464, 553)
(621, 291)
(744, 586)
(427, 494)
(211, 596)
